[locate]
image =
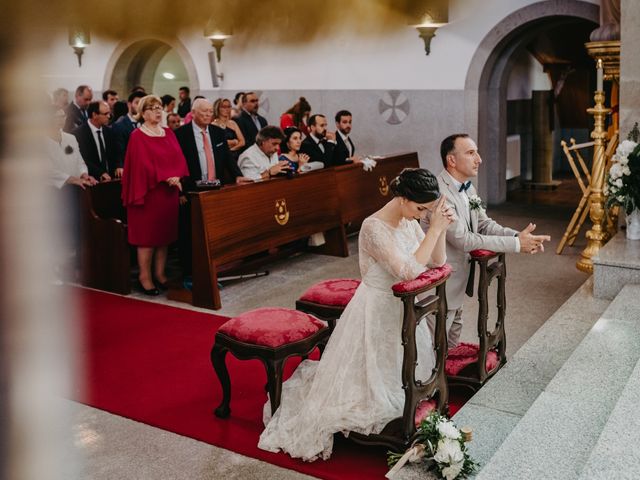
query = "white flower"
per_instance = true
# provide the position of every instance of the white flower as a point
(618, 183)
(452, 471)
(620, 198)
(626, 170)
(475, 202)
(623, 161)
(626, 147)
(615, 171)
(447, 429)
(448, 451)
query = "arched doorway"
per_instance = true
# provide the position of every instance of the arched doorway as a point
(488, 77)
(160, 65)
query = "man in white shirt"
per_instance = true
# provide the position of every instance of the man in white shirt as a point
(260, 161)
(473, 229)
(67, 165)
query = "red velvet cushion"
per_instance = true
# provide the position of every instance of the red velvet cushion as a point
(465, 354)
(481, 253)
(423, 410)
(336, 292)
(425, 279)
(271, 327)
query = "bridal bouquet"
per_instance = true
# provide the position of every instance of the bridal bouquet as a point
(439, 447)
(623, 181)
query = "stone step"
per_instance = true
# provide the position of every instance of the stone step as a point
(498, 407)
(554, 439)
(616, 265)
(615, 455)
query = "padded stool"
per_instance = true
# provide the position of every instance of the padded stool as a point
(328, 299)
(271, 335)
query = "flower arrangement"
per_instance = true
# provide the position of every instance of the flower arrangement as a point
(475, 203)
(623, 180)
(440, 447)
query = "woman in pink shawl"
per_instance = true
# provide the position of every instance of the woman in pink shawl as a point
(151, 184)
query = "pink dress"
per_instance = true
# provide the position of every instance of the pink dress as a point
(152, 205)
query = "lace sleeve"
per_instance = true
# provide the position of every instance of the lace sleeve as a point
(378, 241)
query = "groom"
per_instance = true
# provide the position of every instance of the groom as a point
(473, 229)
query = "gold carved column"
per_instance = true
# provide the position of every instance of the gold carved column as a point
(596, 235)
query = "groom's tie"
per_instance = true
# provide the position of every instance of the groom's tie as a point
(465, 186)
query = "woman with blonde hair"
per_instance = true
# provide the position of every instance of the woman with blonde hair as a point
(222, 119)
(153, 166)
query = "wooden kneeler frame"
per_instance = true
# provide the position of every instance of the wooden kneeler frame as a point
(491, 266)
(399, 433)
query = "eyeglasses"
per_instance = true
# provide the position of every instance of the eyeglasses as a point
(155, 108)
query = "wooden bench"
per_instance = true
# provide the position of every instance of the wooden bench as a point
(105, 260)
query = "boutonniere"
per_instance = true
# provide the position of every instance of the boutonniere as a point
(475, 203)
(68, 149)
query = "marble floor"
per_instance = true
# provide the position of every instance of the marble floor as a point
(112, 447)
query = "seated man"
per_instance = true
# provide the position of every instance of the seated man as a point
(345, 149)
(260, 161)
(320, 143)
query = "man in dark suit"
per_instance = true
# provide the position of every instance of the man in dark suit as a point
(123, 127)
(77, 110)
(97, 143)
(184, 107)
(345, 149)
(320, 143)
(196, 148)
(249, 121)
(205, 149)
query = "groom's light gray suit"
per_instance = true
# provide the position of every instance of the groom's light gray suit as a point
(472, 230)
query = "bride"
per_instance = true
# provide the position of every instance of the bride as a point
(356, 386)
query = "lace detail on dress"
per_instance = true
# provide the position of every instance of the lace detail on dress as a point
(392, 248)
(357, 385)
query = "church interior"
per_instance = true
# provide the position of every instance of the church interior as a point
(267, 138)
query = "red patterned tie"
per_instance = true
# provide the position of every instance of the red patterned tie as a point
(211, 166)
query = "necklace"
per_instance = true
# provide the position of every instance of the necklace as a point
(219, 123)
(152, 133)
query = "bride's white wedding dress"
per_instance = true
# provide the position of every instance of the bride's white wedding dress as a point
(356, 386)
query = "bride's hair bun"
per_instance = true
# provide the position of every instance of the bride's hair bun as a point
(416, 184)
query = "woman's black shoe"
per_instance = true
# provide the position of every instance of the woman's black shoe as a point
(152, 292)
(162, 286)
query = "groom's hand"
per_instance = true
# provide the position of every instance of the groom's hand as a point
(532, 243)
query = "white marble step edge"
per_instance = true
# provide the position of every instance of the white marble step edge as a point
(616, 454)
(497, 408)
(557, 434)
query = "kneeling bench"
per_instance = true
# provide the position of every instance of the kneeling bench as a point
(328, 299)
(471, 365)
(271, 335)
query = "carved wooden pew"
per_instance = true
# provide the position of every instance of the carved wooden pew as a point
(104, 251)
(362, 193)
(235, 222)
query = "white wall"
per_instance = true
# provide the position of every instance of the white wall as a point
(341, 60)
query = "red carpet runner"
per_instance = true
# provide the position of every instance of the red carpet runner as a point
(150, 363)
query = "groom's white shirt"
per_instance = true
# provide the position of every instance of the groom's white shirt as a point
(471, 231)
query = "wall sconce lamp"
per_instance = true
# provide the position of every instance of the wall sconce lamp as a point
(217, 42)
(79, 38)
(431, 21)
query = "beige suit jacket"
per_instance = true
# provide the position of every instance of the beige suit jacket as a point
(472, 230)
